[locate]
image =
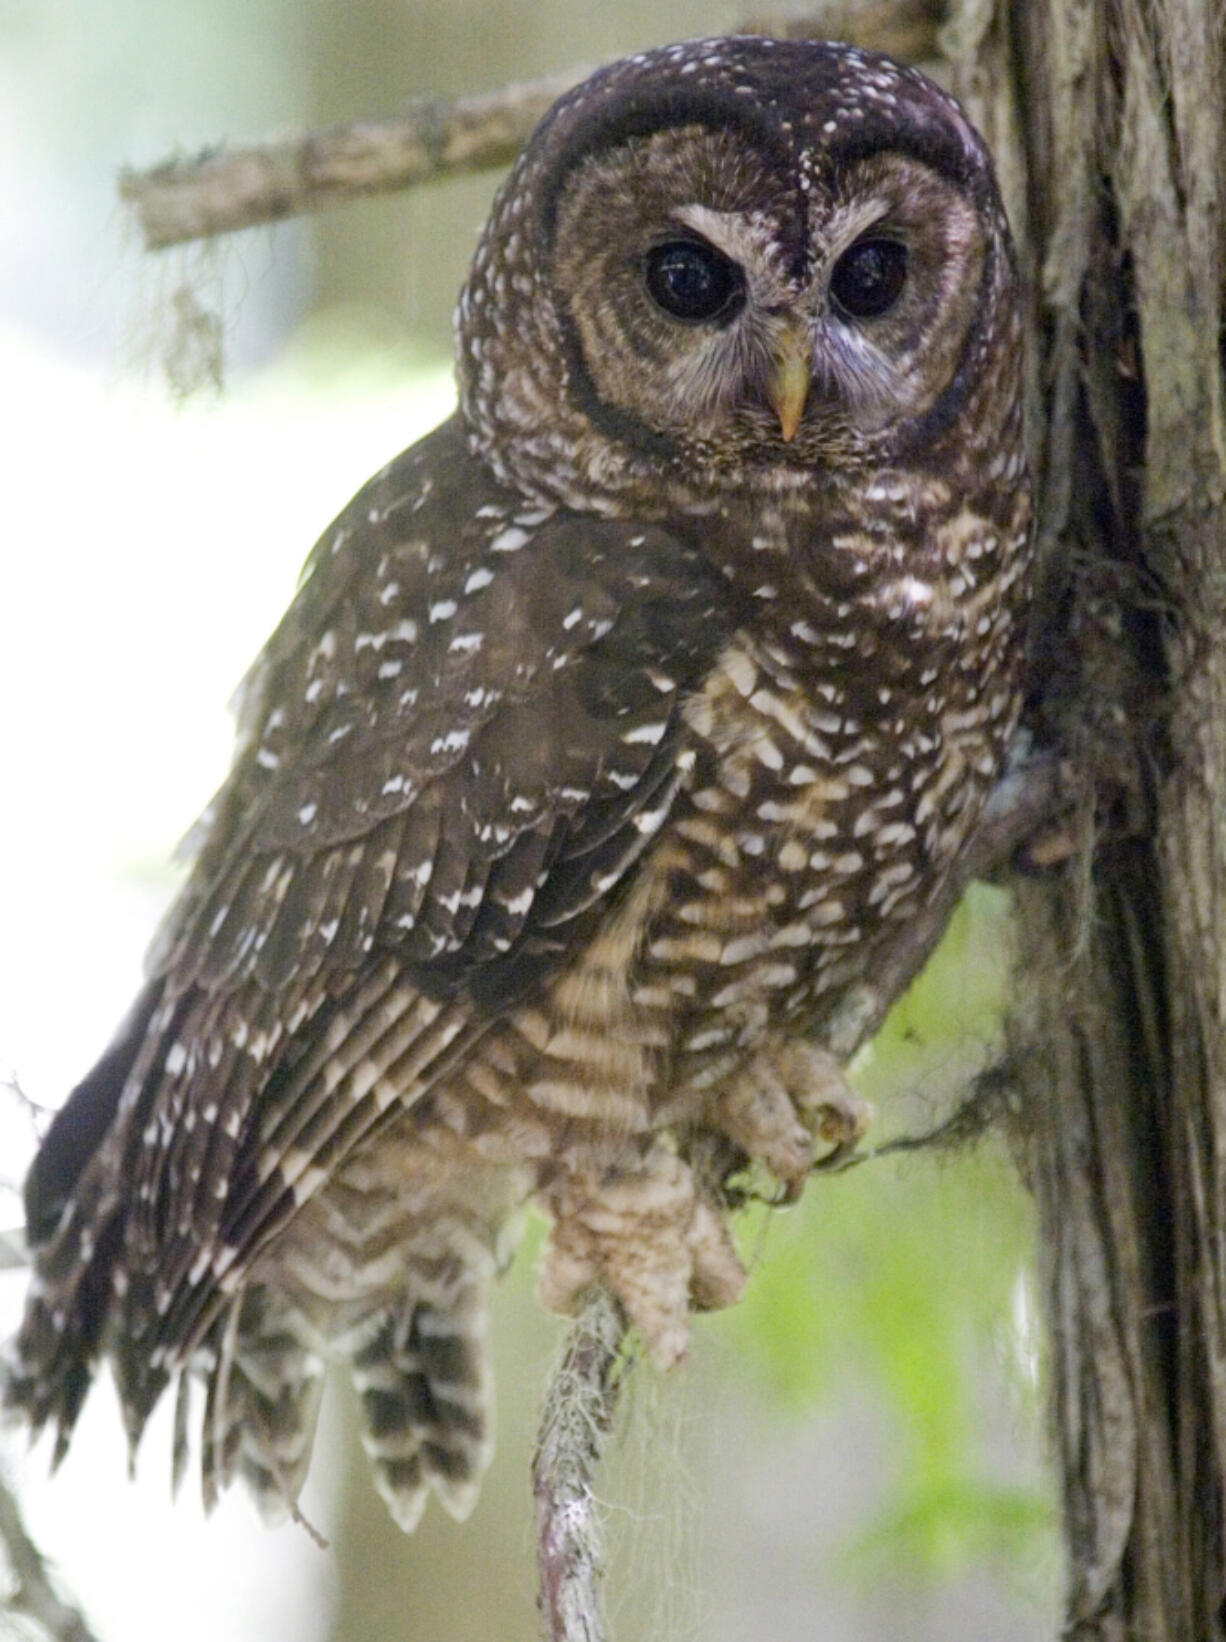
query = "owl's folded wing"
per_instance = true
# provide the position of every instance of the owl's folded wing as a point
(453, 750)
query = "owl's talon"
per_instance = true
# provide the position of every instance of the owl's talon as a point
(787, 1098)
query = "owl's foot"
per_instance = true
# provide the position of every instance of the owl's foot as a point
(655, 1241)
(786, 1103)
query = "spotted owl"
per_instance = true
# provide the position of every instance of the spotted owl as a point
(614, 728)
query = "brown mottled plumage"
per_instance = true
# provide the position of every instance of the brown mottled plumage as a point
(613, 728)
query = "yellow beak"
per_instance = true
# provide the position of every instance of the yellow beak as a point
(787, 385)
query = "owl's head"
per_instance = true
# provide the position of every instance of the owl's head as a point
(736, 264)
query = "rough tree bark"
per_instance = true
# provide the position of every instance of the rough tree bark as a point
(1108, 119)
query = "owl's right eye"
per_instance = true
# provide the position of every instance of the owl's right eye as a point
(694, 282)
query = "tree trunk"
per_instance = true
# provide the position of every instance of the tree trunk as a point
(1108, 119)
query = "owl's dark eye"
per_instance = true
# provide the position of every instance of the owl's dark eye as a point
(868, 279)
(694, 282)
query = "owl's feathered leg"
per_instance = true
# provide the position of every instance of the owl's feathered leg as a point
(652, 1236)
(655, 1236)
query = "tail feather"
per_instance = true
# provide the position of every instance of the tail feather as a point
(425, 1391)
(264, 1388)
(125, 1270)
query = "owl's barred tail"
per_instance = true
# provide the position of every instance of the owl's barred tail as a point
(265, 1385)
(425, 1389)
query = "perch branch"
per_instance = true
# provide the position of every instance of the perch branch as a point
(582, 1395)
(221, 191)
(579, 1407)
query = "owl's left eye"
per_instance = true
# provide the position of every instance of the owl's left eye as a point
(868, 279)
(694, 282)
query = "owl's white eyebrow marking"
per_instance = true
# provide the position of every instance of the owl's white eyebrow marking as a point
(746, 236)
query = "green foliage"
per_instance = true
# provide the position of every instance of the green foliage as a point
(938, 1525)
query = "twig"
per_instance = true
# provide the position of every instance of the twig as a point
(578, 1411)
(981, 1109)
(219, 192)
(906, 29)
(35, 1597)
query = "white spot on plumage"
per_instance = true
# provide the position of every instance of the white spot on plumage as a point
(647, 733)
(743, 947)
(509, 540)
(646, 822)
(895, 833)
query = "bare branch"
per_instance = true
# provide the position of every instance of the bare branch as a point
(906, 29)
(579, 1407)
(219, 192)
(35, 1597)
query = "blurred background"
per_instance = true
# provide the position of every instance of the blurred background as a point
(853, 1453)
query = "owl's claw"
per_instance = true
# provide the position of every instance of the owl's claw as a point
(656, 1242)
(787, 1099)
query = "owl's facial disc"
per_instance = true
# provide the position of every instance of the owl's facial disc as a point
(723, 314)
